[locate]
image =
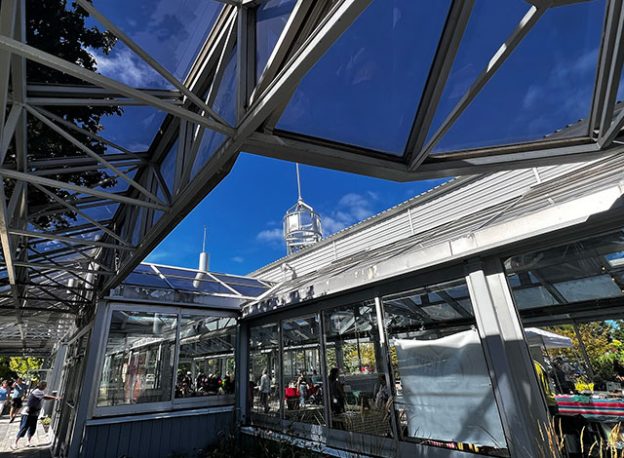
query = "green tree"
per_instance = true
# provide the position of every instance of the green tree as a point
(5, 369)
(25, 366)
(55, 27)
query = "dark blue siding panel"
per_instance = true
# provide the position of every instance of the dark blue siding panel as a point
(156, 438)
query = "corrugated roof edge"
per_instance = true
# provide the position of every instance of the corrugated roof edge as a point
(423, 197)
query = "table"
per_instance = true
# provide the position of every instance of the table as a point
(592, 408)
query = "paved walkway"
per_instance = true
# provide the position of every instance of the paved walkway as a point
(8, 431)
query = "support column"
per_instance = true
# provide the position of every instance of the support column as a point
(242, 376)
(90, 377)
(520, 400)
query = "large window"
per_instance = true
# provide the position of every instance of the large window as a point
(444, 394)
(138, 363)
(263, 390)
(142, 348)
(356, 375)
(206, 358)
(301, 373)
(569, 298)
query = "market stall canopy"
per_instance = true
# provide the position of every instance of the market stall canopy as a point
(404, 91)
(547, 339)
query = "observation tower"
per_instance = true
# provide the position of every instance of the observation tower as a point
(302, 225)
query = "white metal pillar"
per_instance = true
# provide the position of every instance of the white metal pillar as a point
(521, 403)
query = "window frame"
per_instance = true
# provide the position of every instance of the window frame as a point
(159, 406)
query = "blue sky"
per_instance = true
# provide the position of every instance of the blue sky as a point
(243, 214)
(364, 91)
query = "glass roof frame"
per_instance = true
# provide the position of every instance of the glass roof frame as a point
(120, 227)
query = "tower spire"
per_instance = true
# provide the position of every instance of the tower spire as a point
(298, 183)
(204, 242)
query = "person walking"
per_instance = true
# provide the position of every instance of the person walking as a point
(4, 395)
(17, 396)
(30, 413)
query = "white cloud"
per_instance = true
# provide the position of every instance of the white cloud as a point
(124, 66)
(350, 209)
(238, 259)
(270, 235)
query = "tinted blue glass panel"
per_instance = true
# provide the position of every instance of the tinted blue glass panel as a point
(271, 17)
(232, 280)
(170, 32)
(153, 281)
(545, 85)
(225, 105)
(145, 122)
(168, 169)
(366, 89)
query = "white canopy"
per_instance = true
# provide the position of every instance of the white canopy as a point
(537, 336)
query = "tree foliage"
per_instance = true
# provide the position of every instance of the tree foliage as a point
(601, 344)
(25, 366)
(59, 28)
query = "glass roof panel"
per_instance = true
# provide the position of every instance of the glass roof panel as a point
(145, 122)
(170, 32)
(168, 169)
(271, 18)
(234, 281)
(365, 90)
(546, 83)
(225, 105)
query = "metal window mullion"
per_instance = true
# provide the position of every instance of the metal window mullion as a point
(29, 178)
(324, 373)
(81, 213)
(387, 364)
(341, 17)
(77, 241)
(283, 45)
(89, 76)
(609, 70)
(228, 46)
(280, 369)
(176, 357)
(74, 141)
(245, 57)
(90, 134)
(450, 40)
(10, 126)
(149, 60)
(497, 60)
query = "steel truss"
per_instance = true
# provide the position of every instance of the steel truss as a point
(62, 269)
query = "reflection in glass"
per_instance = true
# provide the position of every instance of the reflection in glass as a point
(357, 385)
(263, 383)
(365, 90)
(271, 17)
(443, 390)
(206, 358)
(138, 363)
(302, 382)
(586, 270)
(516, 105)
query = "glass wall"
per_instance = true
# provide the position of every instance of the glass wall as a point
(142, 347)
(407, 365)
(206, 358)
(301, 372)
(354, 365)
(138, 364)
(444, 394)
(570, 300)
(263, 387)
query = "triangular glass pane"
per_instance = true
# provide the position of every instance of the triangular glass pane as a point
(145, 122)
(271, 17)
(365, 90)
(171, 32)
(544, 86)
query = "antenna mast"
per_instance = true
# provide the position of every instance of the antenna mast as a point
(298, 183)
